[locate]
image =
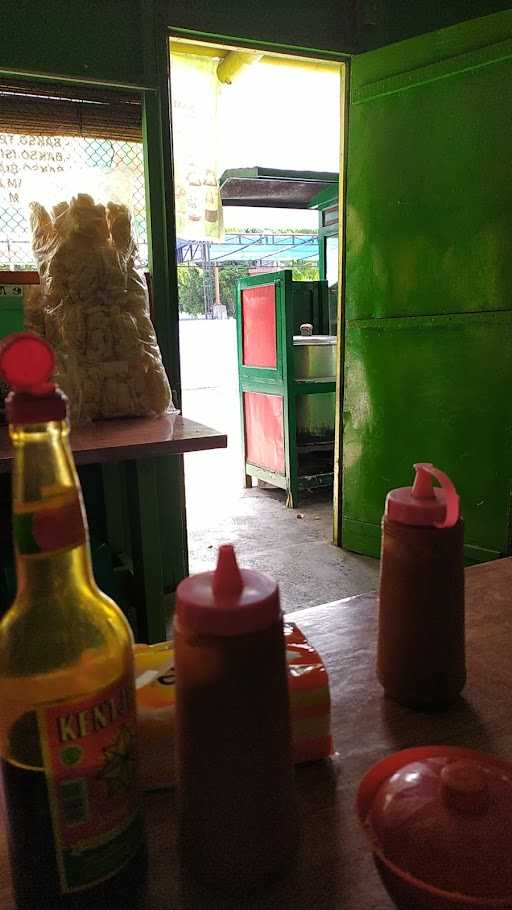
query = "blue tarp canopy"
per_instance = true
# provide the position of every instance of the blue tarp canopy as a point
(249, 247)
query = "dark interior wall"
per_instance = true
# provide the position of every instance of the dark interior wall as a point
(344, 26)
(322, 24)
(380, 22)
(104, 40)
(82, 39)
(110, 40)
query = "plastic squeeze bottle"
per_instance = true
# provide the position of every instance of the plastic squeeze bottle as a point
(421, 649)
(236, 797)
(67, 707)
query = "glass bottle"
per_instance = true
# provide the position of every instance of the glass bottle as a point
(67, 707)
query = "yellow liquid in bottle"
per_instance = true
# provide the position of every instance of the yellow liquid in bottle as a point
(67, 714)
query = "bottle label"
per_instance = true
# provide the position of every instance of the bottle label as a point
(49, 525)
(90, 758)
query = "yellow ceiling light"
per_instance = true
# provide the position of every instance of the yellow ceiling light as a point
(234, 63)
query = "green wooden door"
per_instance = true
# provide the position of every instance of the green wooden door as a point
(428, 289)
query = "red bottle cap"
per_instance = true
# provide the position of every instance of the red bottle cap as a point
(440, 818)
(229, 601)
(27, 363)
(424, 504)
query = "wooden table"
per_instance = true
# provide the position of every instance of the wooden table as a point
(131, 438)
(334, 871)
(130, 452)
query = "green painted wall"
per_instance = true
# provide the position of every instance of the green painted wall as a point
(430, 224)
(428, 278)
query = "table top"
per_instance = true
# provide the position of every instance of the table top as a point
(334, 869)
(131, 438)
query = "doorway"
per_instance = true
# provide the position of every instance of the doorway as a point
(251, 133)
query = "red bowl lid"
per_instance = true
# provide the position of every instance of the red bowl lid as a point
(442, 816)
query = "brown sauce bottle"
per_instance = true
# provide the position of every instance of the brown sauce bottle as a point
(235, 784)
(421, 643)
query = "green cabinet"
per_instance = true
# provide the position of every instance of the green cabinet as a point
(286, 397)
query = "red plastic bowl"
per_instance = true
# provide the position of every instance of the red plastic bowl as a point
(406, 891)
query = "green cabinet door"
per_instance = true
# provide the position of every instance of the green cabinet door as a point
(428, 282)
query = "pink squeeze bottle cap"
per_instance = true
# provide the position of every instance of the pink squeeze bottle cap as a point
(227, 601)
(227, 581)
(423, 504)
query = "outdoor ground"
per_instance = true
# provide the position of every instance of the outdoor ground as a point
(291, 545)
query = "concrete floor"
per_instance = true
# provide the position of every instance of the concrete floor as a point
(291, 545)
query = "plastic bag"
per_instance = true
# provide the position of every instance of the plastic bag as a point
(94, 309)
(310, 711)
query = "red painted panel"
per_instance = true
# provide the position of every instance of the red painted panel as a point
(19, 277)
(259, 326)
(264, 431)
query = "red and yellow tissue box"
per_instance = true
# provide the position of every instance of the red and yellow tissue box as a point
(309, 704)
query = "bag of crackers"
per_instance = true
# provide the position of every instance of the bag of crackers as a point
(310, 706)
(93, 308)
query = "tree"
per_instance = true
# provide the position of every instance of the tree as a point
(228, 277)
(190, 290)
(305, 271)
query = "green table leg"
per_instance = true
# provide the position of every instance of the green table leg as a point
(173, 524)
(146, 529)
(114, 493)
(146, 548)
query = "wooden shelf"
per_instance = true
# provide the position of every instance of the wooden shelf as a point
(314, 386)
(305, 448)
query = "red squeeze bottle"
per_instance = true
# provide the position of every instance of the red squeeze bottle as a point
(236, 797)
(421, 648)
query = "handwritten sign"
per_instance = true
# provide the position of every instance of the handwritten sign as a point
(24, 157)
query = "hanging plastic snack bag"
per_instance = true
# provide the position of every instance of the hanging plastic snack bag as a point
(94, 310)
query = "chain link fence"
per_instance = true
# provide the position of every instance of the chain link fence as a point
(51, 168)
